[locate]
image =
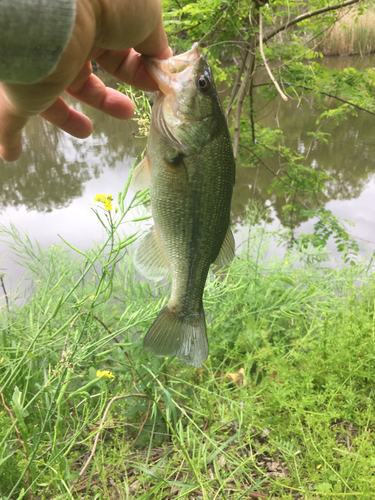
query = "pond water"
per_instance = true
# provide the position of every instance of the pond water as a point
(48, 191)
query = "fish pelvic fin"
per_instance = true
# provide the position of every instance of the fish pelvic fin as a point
(149, 258)
(173, 334)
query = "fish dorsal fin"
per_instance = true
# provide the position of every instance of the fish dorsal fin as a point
(141, 176)
(226, 254)
(149, 258)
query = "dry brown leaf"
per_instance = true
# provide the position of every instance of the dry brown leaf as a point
(256, 494)
(237, 378)
(134, 486)
(272, 466)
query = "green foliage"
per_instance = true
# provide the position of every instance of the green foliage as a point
(284, 402)
(142, 108)
(328, 225)
(226, 30)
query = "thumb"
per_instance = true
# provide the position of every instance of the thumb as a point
(11, 126)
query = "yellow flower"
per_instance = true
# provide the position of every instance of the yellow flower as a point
(107, 204)
(100, 197)
(105, 374)
(105, 199)
(92, 297)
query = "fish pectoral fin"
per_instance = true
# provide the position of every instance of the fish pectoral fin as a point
(141, 176)
(227, 250)
(149, 258)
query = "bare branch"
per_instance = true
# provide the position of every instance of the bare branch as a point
(236, 83)
(319, 91)
(102, 424)
(265, 60)
(248, 73)
(307, 15)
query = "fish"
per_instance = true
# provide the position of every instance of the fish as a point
(190, 170)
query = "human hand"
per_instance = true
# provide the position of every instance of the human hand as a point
(114, 33)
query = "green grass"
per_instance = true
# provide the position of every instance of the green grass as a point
(298, 423)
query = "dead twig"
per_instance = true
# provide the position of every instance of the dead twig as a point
(102, 424)
(255, 494)
(265, 60)
(22, 444)
(312, 48)
(237, 82)
(82, 487)
(5, 293)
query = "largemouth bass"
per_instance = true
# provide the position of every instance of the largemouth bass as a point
(190, 170)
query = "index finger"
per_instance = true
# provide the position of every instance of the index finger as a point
(127, 66)
(156, 44)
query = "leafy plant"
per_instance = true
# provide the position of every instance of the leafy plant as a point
(285, 400)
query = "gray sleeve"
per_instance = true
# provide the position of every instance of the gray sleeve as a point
(33, 35)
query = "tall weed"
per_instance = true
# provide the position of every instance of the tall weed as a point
(353, 34)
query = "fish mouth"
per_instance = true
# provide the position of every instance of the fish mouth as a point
(171, 74)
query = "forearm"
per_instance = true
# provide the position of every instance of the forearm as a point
(33, 35)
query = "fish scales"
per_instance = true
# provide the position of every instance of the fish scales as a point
(190, 169)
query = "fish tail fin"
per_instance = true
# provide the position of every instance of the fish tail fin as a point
(172, 334)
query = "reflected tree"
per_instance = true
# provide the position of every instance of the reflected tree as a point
(347, 157)
(54, 167)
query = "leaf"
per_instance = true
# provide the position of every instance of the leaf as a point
(169, 404)
(323, 487)
(16, 399)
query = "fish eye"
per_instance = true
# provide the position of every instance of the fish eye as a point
(203, 82)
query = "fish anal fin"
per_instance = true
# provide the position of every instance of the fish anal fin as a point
(141, 176)
(173, 334)
(227, 250)
(149, 258)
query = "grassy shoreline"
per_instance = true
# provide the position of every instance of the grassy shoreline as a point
(283, 408)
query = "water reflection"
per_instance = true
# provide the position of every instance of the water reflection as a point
(348, 157)
(54, 167)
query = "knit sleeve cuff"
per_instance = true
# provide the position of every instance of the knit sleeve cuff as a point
(33, 35)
